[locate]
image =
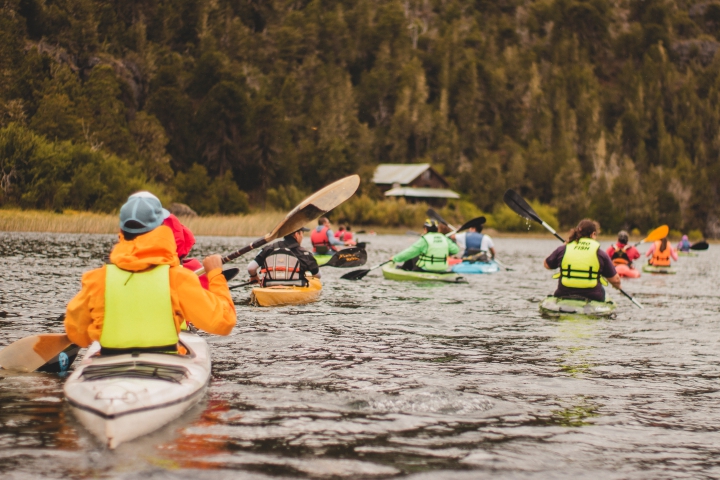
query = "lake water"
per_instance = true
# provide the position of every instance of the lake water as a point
(383, 379)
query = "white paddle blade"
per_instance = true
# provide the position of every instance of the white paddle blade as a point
(30, 353)
(317, 205)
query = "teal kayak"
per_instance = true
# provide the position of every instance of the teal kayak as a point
(476, 267)
(654, 269)
(391, 272)
(557, 307)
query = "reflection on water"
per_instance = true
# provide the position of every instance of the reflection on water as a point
(383, 378)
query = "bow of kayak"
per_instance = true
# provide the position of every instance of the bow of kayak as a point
(476, 267)
(391, 272)
(688, 254)
(575, 306)
(287, 295)
(654, 269)
(322, 259)
(627, 272)
(122, 397)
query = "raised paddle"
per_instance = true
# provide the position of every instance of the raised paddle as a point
(308, 210)
(702, 245)
(521, 207)
(347, 258)
(518, 205)
(657, 234)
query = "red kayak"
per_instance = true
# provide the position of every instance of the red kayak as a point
(625, 271)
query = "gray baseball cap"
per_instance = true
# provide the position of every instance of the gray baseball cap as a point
(142, 213)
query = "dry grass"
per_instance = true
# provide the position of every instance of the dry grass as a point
(255, 224)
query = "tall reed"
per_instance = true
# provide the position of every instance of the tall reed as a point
(254, 224)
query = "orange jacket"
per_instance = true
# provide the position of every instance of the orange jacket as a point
(210, 310)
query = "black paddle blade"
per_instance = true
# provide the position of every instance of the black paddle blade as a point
(475, 222)
(348, 258)
(702, 245)
(230, 273)
(435, 216)
(356, 274)
(518, 205)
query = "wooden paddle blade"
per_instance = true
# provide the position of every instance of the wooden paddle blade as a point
(518, 205)
(316, 205)
(348, 258)
(356, 274)
(657, 234)
(702, 245)
(30, 353)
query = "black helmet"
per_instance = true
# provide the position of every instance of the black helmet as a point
(623, 236)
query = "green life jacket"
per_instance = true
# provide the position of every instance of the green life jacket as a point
(434, 259)
(138, 310)
(580, 267)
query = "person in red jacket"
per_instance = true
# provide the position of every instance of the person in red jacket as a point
(621, 253)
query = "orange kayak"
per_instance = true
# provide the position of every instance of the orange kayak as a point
(625, 271)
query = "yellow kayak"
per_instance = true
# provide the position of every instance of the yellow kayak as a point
(287, 295)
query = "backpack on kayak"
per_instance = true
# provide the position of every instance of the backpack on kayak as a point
(281, 267)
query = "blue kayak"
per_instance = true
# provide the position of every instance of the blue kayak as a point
(476, 267)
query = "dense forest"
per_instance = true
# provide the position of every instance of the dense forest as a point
(606, 108)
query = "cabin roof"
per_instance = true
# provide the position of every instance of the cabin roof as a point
(392, 173)
(421, 192)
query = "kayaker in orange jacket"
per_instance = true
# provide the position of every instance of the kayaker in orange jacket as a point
(660, 253)
(145, 247)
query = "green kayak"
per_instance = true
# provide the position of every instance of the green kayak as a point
(322, 259)
(654, 269)
(392, 273)
(558, 307)
(687, 254)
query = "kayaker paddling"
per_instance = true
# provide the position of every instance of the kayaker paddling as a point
(684, 244)
(584, 267)
(284, 262)
(660, 253)
(430, 253)
(142, 299)
(623, 256)
(323, 239)
(476, 246)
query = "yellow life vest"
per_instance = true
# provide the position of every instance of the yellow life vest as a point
(580, 267)
(434, 258)
(138, 310)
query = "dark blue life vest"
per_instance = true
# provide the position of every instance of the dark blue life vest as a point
(473, 240)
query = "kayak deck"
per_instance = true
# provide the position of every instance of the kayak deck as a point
(392, 273)
(122, 397)
(627, 272)
(576, 306)
(287, 295)
(664, 270)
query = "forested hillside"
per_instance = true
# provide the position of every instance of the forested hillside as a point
(607, 108)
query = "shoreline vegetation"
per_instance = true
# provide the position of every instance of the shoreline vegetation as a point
(250, 225)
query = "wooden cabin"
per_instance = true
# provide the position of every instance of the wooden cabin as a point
(417, 182)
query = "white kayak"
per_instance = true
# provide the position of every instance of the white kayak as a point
(121, 397)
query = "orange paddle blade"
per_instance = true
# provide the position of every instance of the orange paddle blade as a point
(30, 353)
(658, 234)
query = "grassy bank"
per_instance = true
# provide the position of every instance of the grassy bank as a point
(255, 224)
